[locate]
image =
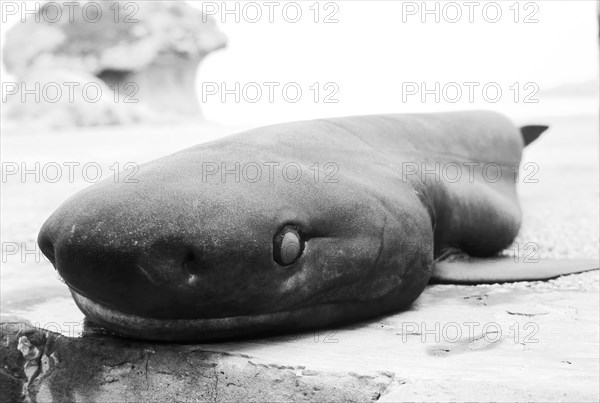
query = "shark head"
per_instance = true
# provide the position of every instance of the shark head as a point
(248, 234)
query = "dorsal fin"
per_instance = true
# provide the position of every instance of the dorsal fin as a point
(530, 133)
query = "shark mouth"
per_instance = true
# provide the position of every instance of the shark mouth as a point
(211, 329)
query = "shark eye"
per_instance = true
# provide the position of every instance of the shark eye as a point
(287, 246)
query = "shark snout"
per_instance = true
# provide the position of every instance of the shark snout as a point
(145, 276)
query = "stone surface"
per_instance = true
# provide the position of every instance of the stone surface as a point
(145, 55)
(106, 369)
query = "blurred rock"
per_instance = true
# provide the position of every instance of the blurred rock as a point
(108, 369)
(143, 55)
(43, 99)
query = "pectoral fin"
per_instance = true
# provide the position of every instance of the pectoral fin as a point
(504, 269)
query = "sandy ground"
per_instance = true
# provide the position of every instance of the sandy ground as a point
(529, 341)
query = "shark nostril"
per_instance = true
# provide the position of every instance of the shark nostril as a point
(191, 266)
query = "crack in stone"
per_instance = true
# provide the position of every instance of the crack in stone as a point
(224, 353)
(32, 367)
(392, 377)
(526, 314)
(216, 384)
(147, 352)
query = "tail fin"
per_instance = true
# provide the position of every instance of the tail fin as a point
(530, 133)
(505, 270)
